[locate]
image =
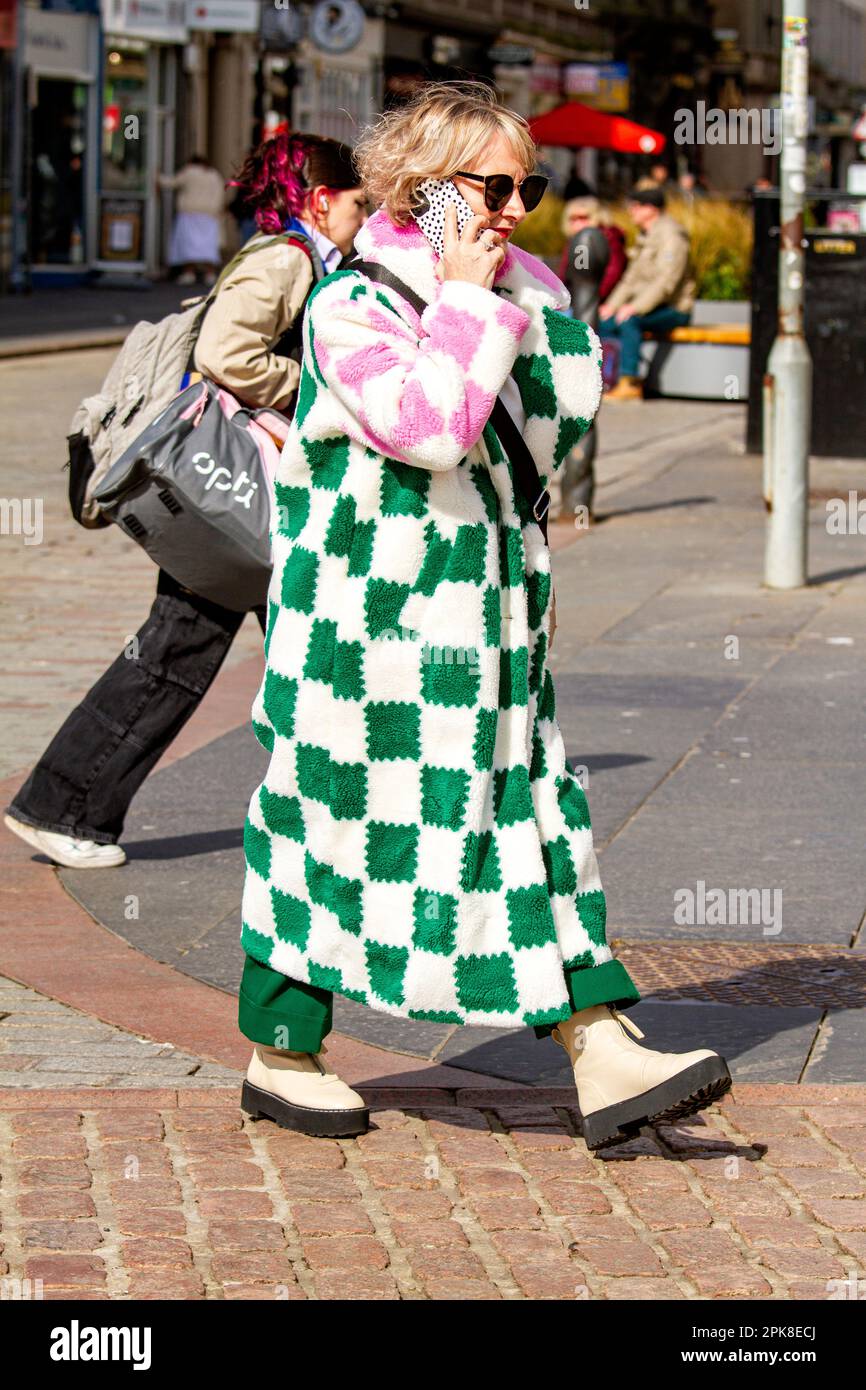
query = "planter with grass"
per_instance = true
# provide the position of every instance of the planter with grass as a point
(708, 359)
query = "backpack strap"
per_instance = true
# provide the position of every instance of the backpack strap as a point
(526, 474)
(290, 344)
(292, 238)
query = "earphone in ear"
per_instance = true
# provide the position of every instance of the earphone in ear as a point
(325, 205)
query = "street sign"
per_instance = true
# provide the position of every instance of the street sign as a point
(223, 16)
(604, 86)
(336, 26)
(511, 54)
(163, 21)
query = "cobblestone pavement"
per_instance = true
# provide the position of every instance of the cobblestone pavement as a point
(462, 1195)
(44, 1043)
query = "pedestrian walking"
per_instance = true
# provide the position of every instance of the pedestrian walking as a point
(74, 803)
(195, 235)
(419, 843)
(580, 217)
(690, 189)
(250, 340)
(592, 264)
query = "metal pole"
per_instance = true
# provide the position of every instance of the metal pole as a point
(790, 365)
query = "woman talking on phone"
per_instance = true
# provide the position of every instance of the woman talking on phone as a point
(419, 843)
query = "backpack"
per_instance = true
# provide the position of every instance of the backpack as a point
(144, 377)
(195, 491)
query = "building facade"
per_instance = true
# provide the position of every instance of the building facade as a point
(100, 97)
(747, 75)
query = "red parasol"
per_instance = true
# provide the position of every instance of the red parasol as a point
(575, 125)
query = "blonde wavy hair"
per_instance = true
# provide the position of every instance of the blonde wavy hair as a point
(443, 128)
(588, 207)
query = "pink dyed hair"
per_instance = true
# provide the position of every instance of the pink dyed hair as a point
(272, 180)
(277, 176)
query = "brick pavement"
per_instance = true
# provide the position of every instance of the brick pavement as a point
(466, 1194)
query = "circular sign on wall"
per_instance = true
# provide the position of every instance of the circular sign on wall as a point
(336, 25)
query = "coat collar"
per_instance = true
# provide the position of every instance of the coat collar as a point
(559, 378)
(521, 278)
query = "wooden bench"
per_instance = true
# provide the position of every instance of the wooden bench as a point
(708, 359)
(738, 334)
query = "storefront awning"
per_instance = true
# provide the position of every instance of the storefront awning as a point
(582, 127)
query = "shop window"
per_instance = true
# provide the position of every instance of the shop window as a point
(124, 121)
(337, 102)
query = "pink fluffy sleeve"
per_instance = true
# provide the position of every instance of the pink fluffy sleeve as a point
(421, 395)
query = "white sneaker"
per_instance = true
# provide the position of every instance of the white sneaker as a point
(298, 1091)
(622, 1086)
(65, 849)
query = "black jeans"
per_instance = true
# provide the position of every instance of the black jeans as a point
(96, 762)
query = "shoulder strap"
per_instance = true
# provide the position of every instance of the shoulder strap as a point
(293, 238)
(525, 472)
(374, 271)
(310, 250)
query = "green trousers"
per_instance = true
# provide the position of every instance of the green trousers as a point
(297, 1017)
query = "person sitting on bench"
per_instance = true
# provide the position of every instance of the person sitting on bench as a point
(656, 292)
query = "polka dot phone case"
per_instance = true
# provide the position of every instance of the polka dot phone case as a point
(432, 198)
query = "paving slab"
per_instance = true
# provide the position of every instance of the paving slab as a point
(759, 1044)
(753, 826)
(647, 701)
(838, 1053)
(54, 1045)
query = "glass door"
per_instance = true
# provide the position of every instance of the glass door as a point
(57, 144)
(124, 187)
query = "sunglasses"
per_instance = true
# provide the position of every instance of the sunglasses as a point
(498, 188)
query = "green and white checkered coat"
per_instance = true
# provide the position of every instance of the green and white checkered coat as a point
(419, 843)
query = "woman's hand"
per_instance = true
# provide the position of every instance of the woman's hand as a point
(469, 257)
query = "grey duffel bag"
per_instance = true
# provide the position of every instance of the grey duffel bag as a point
(194, 490)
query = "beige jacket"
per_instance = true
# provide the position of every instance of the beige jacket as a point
(255, 305)
(659, 272)
(198, 189)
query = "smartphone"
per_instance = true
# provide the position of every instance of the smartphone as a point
(431, 199)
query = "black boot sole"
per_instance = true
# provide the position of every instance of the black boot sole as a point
(692, 1089)
(329, 1124)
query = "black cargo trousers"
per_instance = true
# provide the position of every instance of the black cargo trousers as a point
(86, 778)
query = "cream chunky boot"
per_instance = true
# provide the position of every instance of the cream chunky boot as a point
(298, 1091)
(621, 1086)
